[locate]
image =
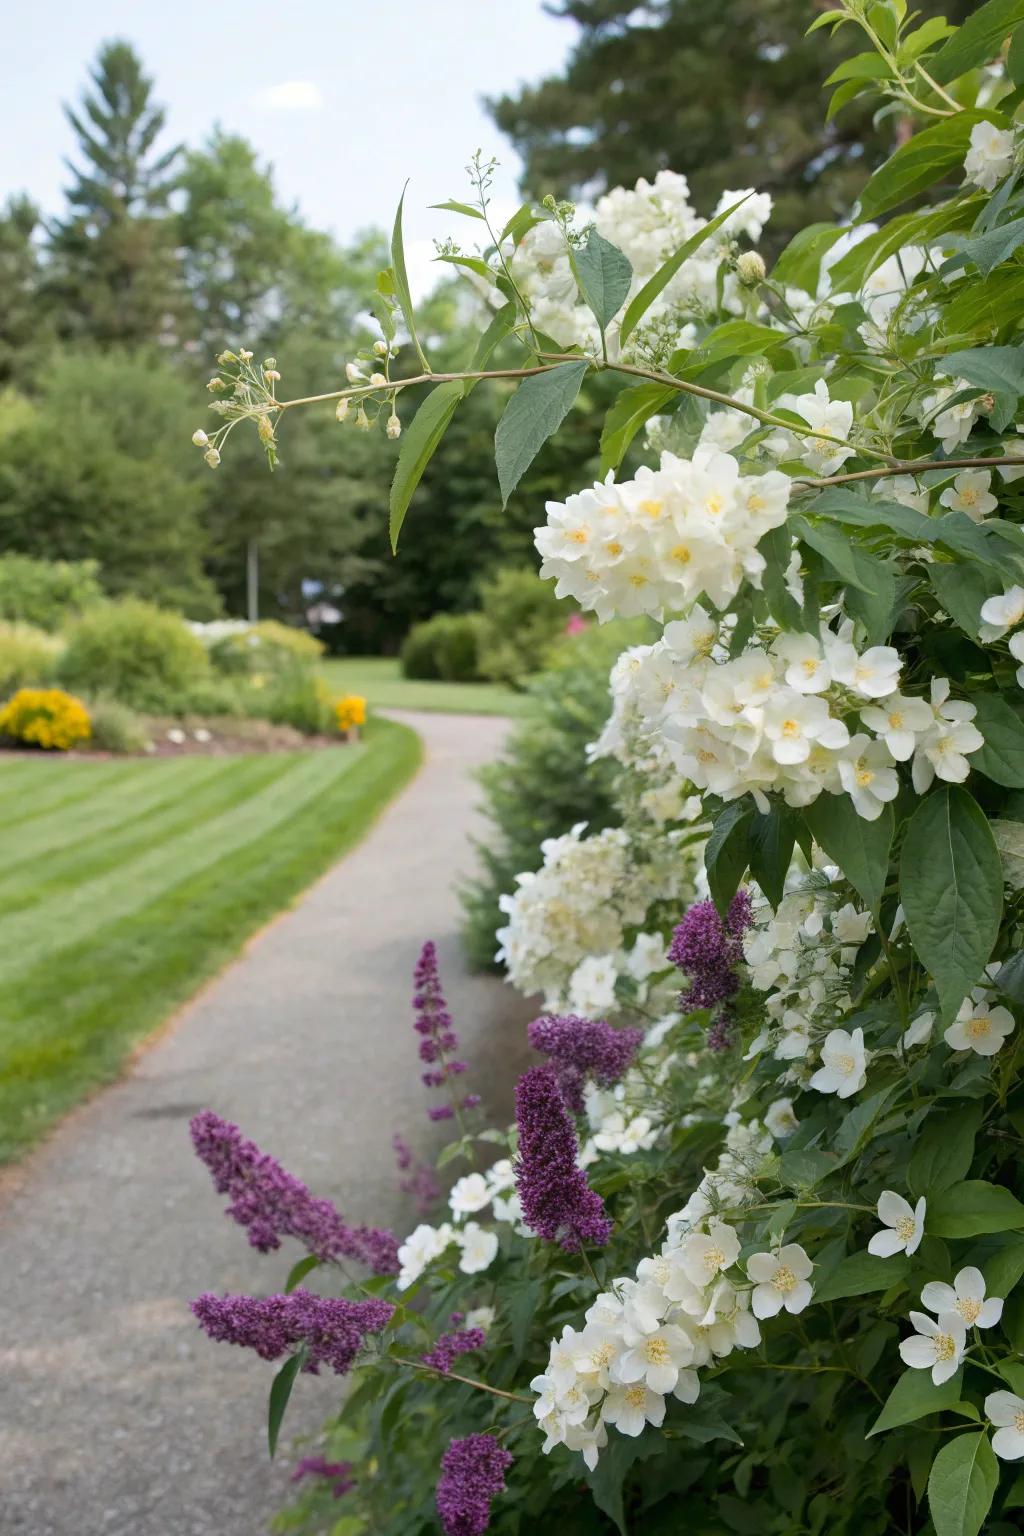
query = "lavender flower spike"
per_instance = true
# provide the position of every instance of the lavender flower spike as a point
(558, 1203)
(272, 1204)
(578, 1049)
(708, 951)
(433, 1023)
(450, 1345)
(472, 1474)
(337, 1473)
(331, 1327)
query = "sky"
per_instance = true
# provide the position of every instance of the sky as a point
(345, 98)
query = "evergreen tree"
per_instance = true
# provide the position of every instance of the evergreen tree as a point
(114, 269)
(21, 324)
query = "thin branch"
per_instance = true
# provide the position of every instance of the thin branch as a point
(468, 1381)
(913, 467)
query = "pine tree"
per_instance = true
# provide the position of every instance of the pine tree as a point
(114, 269)
(21, 321)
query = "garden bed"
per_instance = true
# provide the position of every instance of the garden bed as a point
(199, 736)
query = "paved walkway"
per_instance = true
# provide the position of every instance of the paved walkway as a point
(116, 1417)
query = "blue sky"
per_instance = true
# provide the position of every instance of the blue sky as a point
(346, 98)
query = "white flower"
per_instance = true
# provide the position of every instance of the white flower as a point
(871, 674)
(918, 1031)
(792, 721)
(176, 735)
(468, 1194)
(951, 424)
(936, 1346)
(656, 1359)
(501, 1175)
(728, 1324)
(899, 721)
(780, 1119)
(868, 776)
(990, 157)
(904, 1226)
(479, 1248)
(966, 1296)
(616, 1134)
(834, 417)
(631, 1408)
(704, 1255)
(750, 217)
(646, 956)
(850, 926)
(1017, 652)
(424, 1244)
(1006, 1411)
(905, 490)
(979, 1027)
(780, 1280)
(592, 986)
(481, 1317)
(884, 288)
(942, 751)
(844, 1064)
(806, 668)
(588, 1441)
(970, 493)
(354, 373)
(1000, 614)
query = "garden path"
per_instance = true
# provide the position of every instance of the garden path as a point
(117, 1418)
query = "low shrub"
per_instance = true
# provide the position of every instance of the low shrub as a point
(445, 648)
(520, 620)
(299, 698)
(116, 728)
(542, 785)
(134, 652)
(47, 592)
(47, 718)
(28, 656)
(350, 711)
(264, 649)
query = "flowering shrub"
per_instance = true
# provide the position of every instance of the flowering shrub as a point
(350, 711)
(761, 1201)
(45, 717)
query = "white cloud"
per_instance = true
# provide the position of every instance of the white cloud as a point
(291, 96)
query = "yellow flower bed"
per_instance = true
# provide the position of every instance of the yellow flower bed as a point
(46, 717)
(350, 711)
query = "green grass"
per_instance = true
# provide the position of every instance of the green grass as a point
(380, 680)
(124, 885)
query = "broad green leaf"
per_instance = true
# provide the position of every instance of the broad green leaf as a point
(914, 1397)
(805, 1167)
(915, 43)
(961, 1485)
(997, 370)
(299, 1271)
(632, 408)
(973, 1207)
(280, 1392)
(1015, 58)
(728, 341)
(853, 565)
(472, 264)
(1001, 759)
(862, 66)
(828, 19)
(534, 413)
(961, 589)
(978, 41)
(855, 1130)
(725, 853)
(800, 262)
(401, 280)
(522, 221)
(1010, 977)
(951, 887)
(1003, 1267)
(454, 206)
(944, 1149)
(603, 274)
(775, 548)
(926, 158)
(500, 326)
(855, 510)
(859, 847)
(862, 1273)
(989, 250)
(606, 1480)
(770, 842)
(876, 609)
(988, 305)
(419, 442)
(642, 301)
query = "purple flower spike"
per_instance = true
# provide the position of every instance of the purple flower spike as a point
(450, 1345)
(708, 951)
(331, 1327)
(558, 1203)
(438, 1040)
(271, 1204)
(420, 1180)
(578, 1049)
(472, 1474)
(337, 1473)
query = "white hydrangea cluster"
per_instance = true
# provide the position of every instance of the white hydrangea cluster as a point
(566, 931)
(774, 717)
(659, 541)
(646, 1339)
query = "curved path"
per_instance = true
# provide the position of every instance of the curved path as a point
(116, 1417)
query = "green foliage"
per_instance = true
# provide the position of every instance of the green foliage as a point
(133, 651)
(297, 697)
(115, 727)
(534, 413)
(520, 619)
(267, 647)
(27, 656)
(445, 648)
(47, 593)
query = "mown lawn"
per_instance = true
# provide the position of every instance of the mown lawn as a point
(123, 885)
(380, 680)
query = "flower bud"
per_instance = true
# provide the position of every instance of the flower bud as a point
(750, 268)
(200, 438)
(362, 420)
(354, 373)
(217, 383)
(265, 429)
(378, 379)
(212, 457)
(394, 426)
(245, 356)
(341, 410)
(226, 357)
(271, 375)
(381, 348)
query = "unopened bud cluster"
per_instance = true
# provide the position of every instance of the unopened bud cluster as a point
(245, 392)
(368, 372)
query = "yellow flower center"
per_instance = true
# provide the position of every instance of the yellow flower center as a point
(905, 1228)
(945, 1346)
(845, 1064)
(791, 728)
(714, 1259)
(784, 1280)
(713, 505)
(681, 554)
(636, 1397)
(578, 535)
(656, 1350)
(865, 777)
(638, 579)
(969, 496)
(809, 666)
(968, 1308)
(1018, 1421)
(979, 1027)
(896, 719)
(704, 756)
(652, 508)
(755, 503)
(614, 548)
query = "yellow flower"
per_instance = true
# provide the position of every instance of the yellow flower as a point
(47, 718)
(350, 711)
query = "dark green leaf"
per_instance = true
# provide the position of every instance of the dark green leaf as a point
(977, 42)
(1003, 1267)
(856, 1128)
(951, 887)
(725, 854)
(853, 566)
(961, 589)
(770, 842)
(997, 370)
(1001, 759)
(944, 1150)
(1010, 977)
(973, 1207)
(800, 262)
(929, 156)
(401, 281)
(299, 1271)
(642, 301)
(419, 442)
(603, 274)
(989, 250)
(858, 511)
(859, 847)
(534, 413)
(961, 1485)
(280, 1392)
(775, 548)
(805, 1167)
(914, 1397)
(631, 409)
(862, 1273)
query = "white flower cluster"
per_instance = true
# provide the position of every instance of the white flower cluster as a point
(1000, 615)
(647, 1338)
(565, 933)
(771, 719)
(990, 157)
(663, 539)
(478, 1246)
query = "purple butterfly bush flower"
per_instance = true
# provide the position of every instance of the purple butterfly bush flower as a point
(420, 1181)
(472, 1474)
(337, 1473)
(450, 1345)
(433, 1023)
(271, 1204)
(331, 1327)
(558, 1203)
(578, 1049)
(709, 951)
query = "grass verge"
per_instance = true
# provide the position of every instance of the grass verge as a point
(380, 680)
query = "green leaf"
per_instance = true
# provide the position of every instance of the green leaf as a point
(805, 1167)
(1015, 58)
(1001, 759)
(855, 1130)
(855, 510)
(943, 1153)
(973, 1207)
(419, 442)
(961, 1485)
(632, 407)
(522, 221)
(926, 158)
(914, 1397)
(299, 1271)
(775, 548)
(1003, 1267)
(608, 1476)
(401, 281)
(997, 370)
(770, 842)
(951, 887)
(989, 250)
(977, 42)
(862, 1273)
(1010, 977)
(800, 262)
(725, 853)
(500, 326)
(603, 274)
(859, 847)
(454, 206)
(862, 66)
(280, 1392)
(961, 589)
(642, 301)
(534, 413)
(854, 566)
(986, 305)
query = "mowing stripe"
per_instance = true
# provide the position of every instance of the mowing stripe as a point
(52, 786)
